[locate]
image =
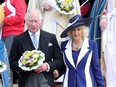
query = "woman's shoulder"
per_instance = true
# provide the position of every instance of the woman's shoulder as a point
(92, 43)
(88, 40)
(63, 44)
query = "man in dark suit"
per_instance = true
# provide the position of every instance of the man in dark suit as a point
(47, 43)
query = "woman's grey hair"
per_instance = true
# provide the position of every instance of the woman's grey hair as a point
(31, 11)
(85, 32)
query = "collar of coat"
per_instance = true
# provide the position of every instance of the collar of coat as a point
(83, 51)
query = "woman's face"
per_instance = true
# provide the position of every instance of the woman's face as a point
(77, 33)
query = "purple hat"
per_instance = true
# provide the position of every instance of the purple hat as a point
(74, 22)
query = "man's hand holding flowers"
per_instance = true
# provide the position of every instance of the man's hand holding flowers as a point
(43, 67)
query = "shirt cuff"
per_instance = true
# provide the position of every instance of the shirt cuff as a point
(48, 67)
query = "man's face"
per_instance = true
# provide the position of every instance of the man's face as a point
(33, 22)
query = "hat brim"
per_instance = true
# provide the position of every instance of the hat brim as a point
(86, 22)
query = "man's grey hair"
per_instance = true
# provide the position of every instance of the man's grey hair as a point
(33, 10)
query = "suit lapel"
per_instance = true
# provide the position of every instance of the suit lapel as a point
(84, 50)
(82, 53)
(26, 42)
(43, 41)
(68, 53)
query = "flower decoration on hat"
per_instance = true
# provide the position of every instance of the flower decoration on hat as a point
(31, 60)
(65, 6)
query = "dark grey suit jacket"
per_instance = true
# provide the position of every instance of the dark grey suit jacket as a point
(53, 54)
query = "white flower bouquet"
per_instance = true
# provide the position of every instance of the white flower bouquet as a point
(2, 67)
(31, 60)
(65, 6)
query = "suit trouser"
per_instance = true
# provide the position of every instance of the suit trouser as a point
(36, 80)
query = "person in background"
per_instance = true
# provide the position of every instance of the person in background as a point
(46, 42)
(80, 55)
(13, 23)
(5, 76)
(6, 80)
(108, 28)
(94, 28)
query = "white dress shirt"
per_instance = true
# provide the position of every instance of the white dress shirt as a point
(37, 35)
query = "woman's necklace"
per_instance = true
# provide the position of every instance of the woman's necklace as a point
(77, 46)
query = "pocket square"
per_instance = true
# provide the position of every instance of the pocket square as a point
(50, 44)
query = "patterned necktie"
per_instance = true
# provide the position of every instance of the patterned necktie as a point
(34, 40)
